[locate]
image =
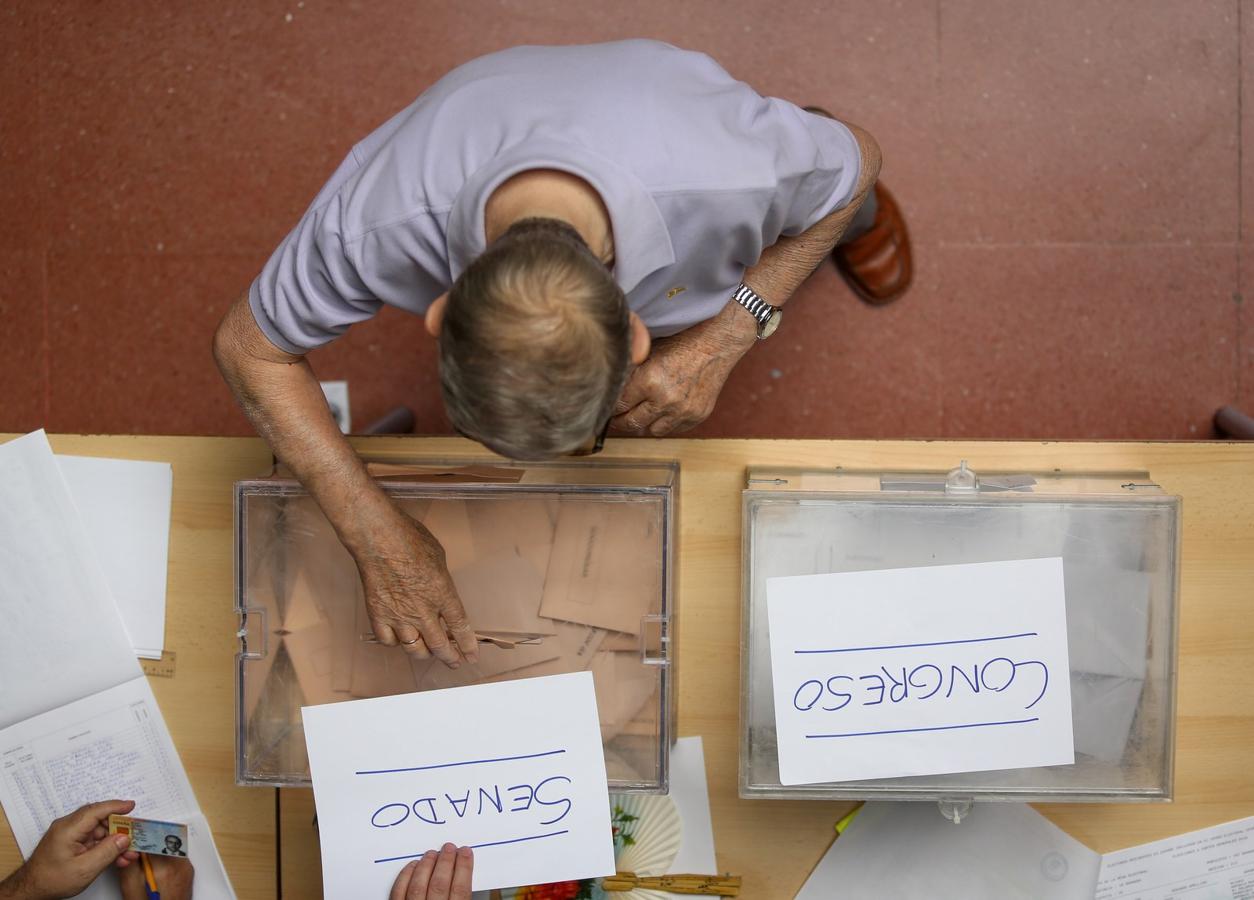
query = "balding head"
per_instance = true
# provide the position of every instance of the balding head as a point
(535, 343)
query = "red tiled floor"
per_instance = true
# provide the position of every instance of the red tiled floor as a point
(23, 378)
(162, 154)
(1077, 121)
(130, 340)
(1084, 342)
(21, 224)
(205, 128)
(1245, 369)
(840, 368)
(1247, 120)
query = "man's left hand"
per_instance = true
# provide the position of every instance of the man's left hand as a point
(676, 387)
(76, 849)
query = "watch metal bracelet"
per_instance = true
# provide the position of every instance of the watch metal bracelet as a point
(750, 300)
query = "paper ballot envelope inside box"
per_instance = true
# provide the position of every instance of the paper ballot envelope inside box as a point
(549, 563)
(520, 779)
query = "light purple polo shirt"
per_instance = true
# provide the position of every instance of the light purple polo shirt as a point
(699, 174)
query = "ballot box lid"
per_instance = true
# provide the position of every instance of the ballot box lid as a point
(562, 567)
(1118, 537)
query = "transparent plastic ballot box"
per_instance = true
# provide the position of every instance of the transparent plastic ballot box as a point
(1118, 537)
(561, 567)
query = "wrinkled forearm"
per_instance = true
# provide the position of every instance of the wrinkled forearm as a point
(281, 397)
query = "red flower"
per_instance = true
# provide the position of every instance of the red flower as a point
(561, 890)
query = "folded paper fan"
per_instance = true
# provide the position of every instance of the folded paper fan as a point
(646, 842)
(646, 838)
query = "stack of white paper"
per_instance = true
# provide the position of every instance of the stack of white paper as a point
(125, 507)
(78, 722)
(908, 850)
(1214, 863)
(903, 851)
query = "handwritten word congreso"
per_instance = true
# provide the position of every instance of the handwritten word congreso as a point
(923, 680)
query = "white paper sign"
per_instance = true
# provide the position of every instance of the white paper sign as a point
(920, 671)
(125, 507)
(514, 770)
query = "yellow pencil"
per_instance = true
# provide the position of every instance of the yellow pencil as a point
(150, 878)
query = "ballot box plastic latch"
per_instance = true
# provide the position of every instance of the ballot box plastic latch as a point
(957, 482)
(252, 633)
(654, 638)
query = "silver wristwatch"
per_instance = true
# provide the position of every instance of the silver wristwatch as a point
(767, 316)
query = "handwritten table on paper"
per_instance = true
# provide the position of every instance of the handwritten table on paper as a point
(514, 769)
(920, 671)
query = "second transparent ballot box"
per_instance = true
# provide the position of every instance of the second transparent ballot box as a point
(562, 567)
(1117, 535)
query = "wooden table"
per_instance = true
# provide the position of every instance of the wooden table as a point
(773, 844)
(198, 700)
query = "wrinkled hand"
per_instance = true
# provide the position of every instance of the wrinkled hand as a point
(676, 387)
(410, 596)
(173, 876)
(437, 876)
(75, 849)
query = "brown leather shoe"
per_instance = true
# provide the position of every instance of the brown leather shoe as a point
(879, 265)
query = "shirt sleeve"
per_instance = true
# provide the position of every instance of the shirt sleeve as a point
(310, 291)
(818, 163)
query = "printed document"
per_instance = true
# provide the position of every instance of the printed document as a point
(78, 721)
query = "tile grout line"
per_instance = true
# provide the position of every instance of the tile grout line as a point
(940, 274)
(45, 243)
(1240, 299)
(1046, 245)
(1240, 120)
(47, 338)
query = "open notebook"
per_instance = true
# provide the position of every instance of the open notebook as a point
(78, 721)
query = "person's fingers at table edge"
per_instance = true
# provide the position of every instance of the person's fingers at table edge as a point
(421, 877)
(442, 874)
(401, 885)
(463, 873)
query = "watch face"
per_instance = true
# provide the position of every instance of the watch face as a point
(771, 324)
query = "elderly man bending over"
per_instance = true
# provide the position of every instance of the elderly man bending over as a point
(594, 235)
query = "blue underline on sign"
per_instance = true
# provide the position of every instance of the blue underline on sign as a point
(469, 762)
(1000, 637)
(534, 837)
(934, 728)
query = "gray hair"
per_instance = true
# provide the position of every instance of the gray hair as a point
(535, 343)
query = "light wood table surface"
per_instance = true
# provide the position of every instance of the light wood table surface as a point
(773, 844)
(198, 702)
